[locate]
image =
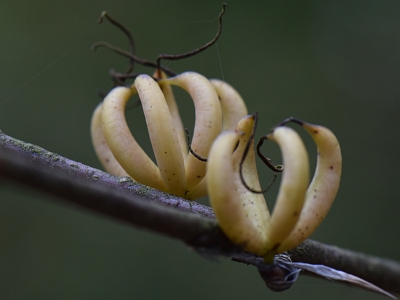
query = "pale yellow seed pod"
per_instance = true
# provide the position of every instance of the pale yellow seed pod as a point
(294, 183)
(208, 124)
(173, 108)
(123, 145)
(232, 104)
(100, 145)
(323, 188)
(163, 136)
(242, 215)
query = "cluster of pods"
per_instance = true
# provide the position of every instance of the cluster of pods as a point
(223, 134)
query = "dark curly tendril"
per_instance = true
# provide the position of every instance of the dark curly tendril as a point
(266, 160)
(119, 78)
(198, 50)
(190, 147)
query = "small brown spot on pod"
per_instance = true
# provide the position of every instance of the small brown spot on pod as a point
(315, 131)
(331, 167)
(275, 246)
(295, 214)
(198, 176)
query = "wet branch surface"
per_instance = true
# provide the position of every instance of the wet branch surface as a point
(126, 201)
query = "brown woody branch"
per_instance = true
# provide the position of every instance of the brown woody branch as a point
(124, 200)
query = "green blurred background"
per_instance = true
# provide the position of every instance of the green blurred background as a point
(335, 63)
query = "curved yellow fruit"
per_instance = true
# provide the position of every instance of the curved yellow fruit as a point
(163, 136)
(208, 123)
(124, 147)
(241, 214)
(294, 183)
(232, 104)
(101, 148)
(173, 108)
(323, 188)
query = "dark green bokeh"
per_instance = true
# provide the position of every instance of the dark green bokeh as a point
(328, 62)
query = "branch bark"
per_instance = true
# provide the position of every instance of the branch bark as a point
(133, 203)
